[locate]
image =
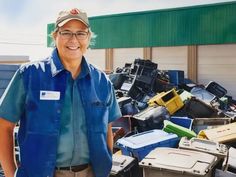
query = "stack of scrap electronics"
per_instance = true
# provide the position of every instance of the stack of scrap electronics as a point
(173, 126)
(135, 80)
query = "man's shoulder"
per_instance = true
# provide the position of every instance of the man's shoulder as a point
(34, 65)
(99, 77)
(97, 72)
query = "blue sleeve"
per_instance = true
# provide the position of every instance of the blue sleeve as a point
(114, 109)
(13, 99)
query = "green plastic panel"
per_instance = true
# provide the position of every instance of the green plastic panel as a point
(209, 24)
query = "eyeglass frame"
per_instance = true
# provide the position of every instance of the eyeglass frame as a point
(74, 34)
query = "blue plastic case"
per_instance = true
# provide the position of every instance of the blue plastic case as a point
(139, 145)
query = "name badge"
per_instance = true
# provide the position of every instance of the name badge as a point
(49, 95)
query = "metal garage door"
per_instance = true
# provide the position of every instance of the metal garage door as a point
(126, 55)
(218, 63)
(7, 71)
(170, 58)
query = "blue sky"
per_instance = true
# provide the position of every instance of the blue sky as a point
(24, 22)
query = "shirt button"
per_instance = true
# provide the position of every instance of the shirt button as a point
(58, 111)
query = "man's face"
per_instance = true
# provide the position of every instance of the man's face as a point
(72, 40)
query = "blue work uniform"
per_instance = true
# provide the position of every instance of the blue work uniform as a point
(38, 104)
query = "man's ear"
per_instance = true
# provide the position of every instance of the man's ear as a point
(54, 35)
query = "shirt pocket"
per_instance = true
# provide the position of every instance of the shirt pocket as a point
(98, 116)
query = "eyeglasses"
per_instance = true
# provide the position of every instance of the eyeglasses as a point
(80, 35)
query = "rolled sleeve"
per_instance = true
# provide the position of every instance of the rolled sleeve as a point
(12, 100)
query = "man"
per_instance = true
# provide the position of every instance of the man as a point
(65, 107)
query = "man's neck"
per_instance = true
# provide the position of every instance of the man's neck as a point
(73, 66)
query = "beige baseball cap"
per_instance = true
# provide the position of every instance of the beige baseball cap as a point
(73, 14)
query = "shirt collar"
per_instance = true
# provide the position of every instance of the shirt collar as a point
(57, 66)
(84, 69)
